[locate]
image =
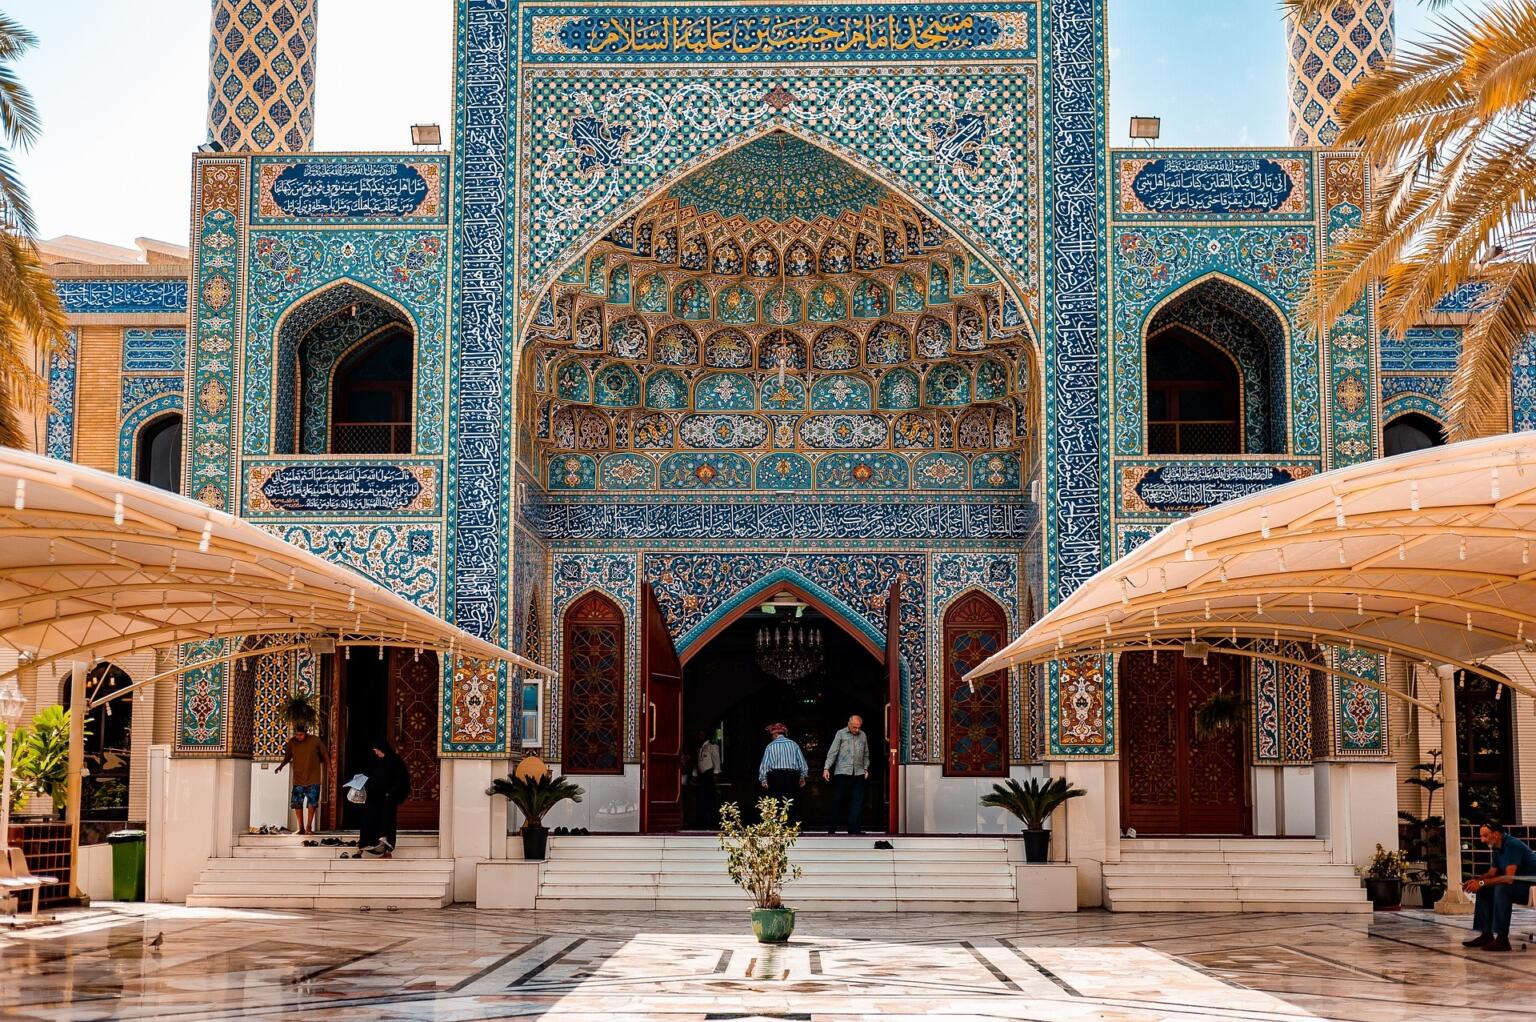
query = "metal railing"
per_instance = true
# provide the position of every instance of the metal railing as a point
(370, 438)
(1193, 436)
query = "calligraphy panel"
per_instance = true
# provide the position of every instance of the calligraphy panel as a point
(820, 33)
(1206, 185)
(1184, 487)
(349, 189)
(342, 488)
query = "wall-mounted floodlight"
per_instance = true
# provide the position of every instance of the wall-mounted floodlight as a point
(426, 135)
(1148, 128)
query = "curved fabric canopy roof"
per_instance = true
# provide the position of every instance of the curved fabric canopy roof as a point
(1426, 556)
(93, 565)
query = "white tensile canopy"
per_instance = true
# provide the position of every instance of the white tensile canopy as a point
(93, 566)
(1426, 556)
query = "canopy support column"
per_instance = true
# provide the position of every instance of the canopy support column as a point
(77, 712)
(1453, 902)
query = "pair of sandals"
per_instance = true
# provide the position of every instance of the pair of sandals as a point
(269, 828)
(569, 831)
(329, 842)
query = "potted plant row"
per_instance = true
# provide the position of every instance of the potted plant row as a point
(1033, 803)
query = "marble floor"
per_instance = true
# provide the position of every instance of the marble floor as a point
(173, 963)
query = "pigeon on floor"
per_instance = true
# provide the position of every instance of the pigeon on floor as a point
(159, 939)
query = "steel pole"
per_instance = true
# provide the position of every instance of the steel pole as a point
(5, 799)
(77, 712)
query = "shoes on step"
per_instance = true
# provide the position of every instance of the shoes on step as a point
(333, 842)
(885, 846)
(1498, 944)
(311, 844)
(1481, 940)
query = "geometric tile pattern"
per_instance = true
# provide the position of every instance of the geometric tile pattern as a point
(1329, 52)
(261, 75)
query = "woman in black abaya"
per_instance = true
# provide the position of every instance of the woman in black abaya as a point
(389, 784)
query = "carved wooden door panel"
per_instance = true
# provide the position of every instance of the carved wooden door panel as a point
(1173, 781)
(1149, 728)
(413, 708)
(1214, 780)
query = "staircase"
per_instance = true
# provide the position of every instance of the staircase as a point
(686, 873)
(1230, 875)
(277, 871)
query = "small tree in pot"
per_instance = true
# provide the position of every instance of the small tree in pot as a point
(299, 711)
(757, 859)
(535, 792)
(1384, 878)
(1033, 803)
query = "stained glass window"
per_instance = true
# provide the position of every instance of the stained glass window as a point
(975, 715)
(592, 741)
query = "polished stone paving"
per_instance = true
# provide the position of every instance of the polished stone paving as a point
(459, 964)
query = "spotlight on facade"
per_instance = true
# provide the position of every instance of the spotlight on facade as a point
(1149, 128)
(426, 135)
(213, 145)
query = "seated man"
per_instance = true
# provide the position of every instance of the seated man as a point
(1501, 888)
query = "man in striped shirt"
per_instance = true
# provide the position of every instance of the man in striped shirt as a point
(783, 768)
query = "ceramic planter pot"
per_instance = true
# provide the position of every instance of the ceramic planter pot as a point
(535, 842)
(1384, 893)
(1037, 845)
(773, 925)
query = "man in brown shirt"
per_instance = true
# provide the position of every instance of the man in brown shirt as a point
(307, 754)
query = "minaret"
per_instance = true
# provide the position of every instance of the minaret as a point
(1330, 52)
(261, 75)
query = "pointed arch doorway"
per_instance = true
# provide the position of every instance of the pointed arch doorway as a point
(719, 686)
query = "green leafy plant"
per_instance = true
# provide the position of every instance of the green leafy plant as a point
(1034, 801)
(1385, 865)
(110, 793)
(1222, 712)
(757, 855)
(1425, 835)
(43, 763)
(21, 790)
(535, 796)
(299, 708)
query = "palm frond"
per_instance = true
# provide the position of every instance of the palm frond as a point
(1453, 121)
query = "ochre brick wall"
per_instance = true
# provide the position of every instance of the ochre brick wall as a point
(98, 396)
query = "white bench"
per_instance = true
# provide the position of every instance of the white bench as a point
(15, 876)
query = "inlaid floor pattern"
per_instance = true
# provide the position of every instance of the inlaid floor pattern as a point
(457, 964)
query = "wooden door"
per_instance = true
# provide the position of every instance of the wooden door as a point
(413, 712)
(1174, 781)
(662, 681)
(893, 720)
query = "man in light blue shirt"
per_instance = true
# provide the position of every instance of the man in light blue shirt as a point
(783, 768)
(847, 767)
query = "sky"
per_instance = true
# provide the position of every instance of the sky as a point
(121, 86)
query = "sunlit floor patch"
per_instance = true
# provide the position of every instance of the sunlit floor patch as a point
(459, 964)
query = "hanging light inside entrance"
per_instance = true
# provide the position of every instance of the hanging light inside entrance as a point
(789, 651)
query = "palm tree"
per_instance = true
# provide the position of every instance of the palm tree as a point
(1451, 123)
(30, 312)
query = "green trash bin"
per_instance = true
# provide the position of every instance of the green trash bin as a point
(127, 864)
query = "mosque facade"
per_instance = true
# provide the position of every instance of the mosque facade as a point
(718, 326)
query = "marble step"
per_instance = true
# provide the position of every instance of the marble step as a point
(1234, 844)
(370, 864)
(404, 851)
(800, 853)
(703, 867)
(318, 901)
(1302, 882)
(739, 904)
(809, 840)
(281, 888)
(1141, 867)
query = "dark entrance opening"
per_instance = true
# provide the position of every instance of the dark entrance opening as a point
(727, 693)
(1485, 749)
(393, 697)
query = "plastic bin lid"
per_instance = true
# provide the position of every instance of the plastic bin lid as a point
(126, 835)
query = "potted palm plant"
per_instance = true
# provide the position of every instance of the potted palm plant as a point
(535, 794)
(1425, 838)
(757, 859)
(1033, 803)
(1384, 878)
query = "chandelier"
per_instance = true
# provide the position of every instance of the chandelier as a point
(789, 652)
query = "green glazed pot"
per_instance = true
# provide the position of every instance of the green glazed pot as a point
(773, 925)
